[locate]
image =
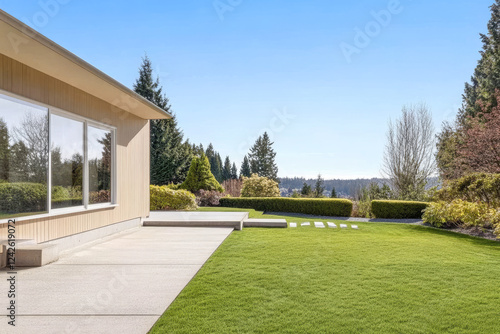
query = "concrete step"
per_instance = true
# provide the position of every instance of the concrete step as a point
(237, 225)
(36, 255)
(4, 244)
(252, 222)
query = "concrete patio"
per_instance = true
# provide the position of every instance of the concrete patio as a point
(121, 284)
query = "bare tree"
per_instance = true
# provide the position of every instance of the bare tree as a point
(409, 152)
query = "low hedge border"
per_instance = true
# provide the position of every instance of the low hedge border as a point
(398, 209)
(312, 206)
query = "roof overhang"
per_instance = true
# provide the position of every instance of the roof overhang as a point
(27, 46)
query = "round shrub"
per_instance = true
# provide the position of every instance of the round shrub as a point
(163, 198)
(257, 186)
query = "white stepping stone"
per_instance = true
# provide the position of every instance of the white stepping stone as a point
(319, 225)
(343, 226)
(293, 224)
(332, 225)
(355, 227)
(305, 224)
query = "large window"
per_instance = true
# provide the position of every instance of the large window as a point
(77, 174)
(24, 137)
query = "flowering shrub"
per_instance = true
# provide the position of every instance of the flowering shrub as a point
(257, 186)
(208, 198)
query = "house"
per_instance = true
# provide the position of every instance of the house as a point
(74, 146)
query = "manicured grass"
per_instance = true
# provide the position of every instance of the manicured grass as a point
(383, 278)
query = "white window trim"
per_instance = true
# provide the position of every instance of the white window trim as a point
(86, 207)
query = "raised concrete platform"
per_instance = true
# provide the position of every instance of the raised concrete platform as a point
(196, 219)
(122, 284)
(36, 255)
(252, 222)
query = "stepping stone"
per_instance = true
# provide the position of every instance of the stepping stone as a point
(343, 226)
(355, 227)
(293, 224)
(319, 225)
(332, 225)
(305, 224)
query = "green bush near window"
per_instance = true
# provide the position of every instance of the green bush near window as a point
(23, 197)
(163, 198)
(312, 206)
(398, 209)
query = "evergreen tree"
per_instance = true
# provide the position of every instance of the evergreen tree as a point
(219, 168)
(306, 190)
(319, 187)
(200, 177)
(245, 168)
(479, 97)
(170, 154)
(4, 151)
(226, 171)
(486, 77)
(234, 172)
(262, 158)
(334, 193)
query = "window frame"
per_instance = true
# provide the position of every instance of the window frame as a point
(86, 207)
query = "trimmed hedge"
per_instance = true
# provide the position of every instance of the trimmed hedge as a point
(398, 209)
(312, 206)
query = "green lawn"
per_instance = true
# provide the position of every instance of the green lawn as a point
(383, 278)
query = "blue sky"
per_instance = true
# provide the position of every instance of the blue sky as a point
(235, 68)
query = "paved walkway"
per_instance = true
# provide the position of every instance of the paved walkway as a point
(120, 285)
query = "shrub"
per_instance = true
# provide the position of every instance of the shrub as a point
(163, 198)
(258, 186)
(208, 198)
(477, 187)
(23, 197)
(313, 206)
(200, 177)
(461, 214)
(398, 209)
(101, 196)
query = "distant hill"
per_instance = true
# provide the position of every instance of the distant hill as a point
(344, 188)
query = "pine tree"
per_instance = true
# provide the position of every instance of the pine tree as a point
(262, 158)
(478, 93)
(234, 172)
(218, 167)
(306, 190)
(200, 177)
(319, 187)
(486, 77)
(334, 193)
(226, 171)
(170, 155)
(245, 168)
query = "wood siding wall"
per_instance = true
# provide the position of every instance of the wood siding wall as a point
(132, 155)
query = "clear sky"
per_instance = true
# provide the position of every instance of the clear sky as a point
(323, 77)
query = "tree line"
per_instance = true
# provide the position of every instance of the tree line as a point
(171, 154)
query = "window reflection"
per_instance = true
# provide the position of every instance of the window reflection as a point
(66, 162)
